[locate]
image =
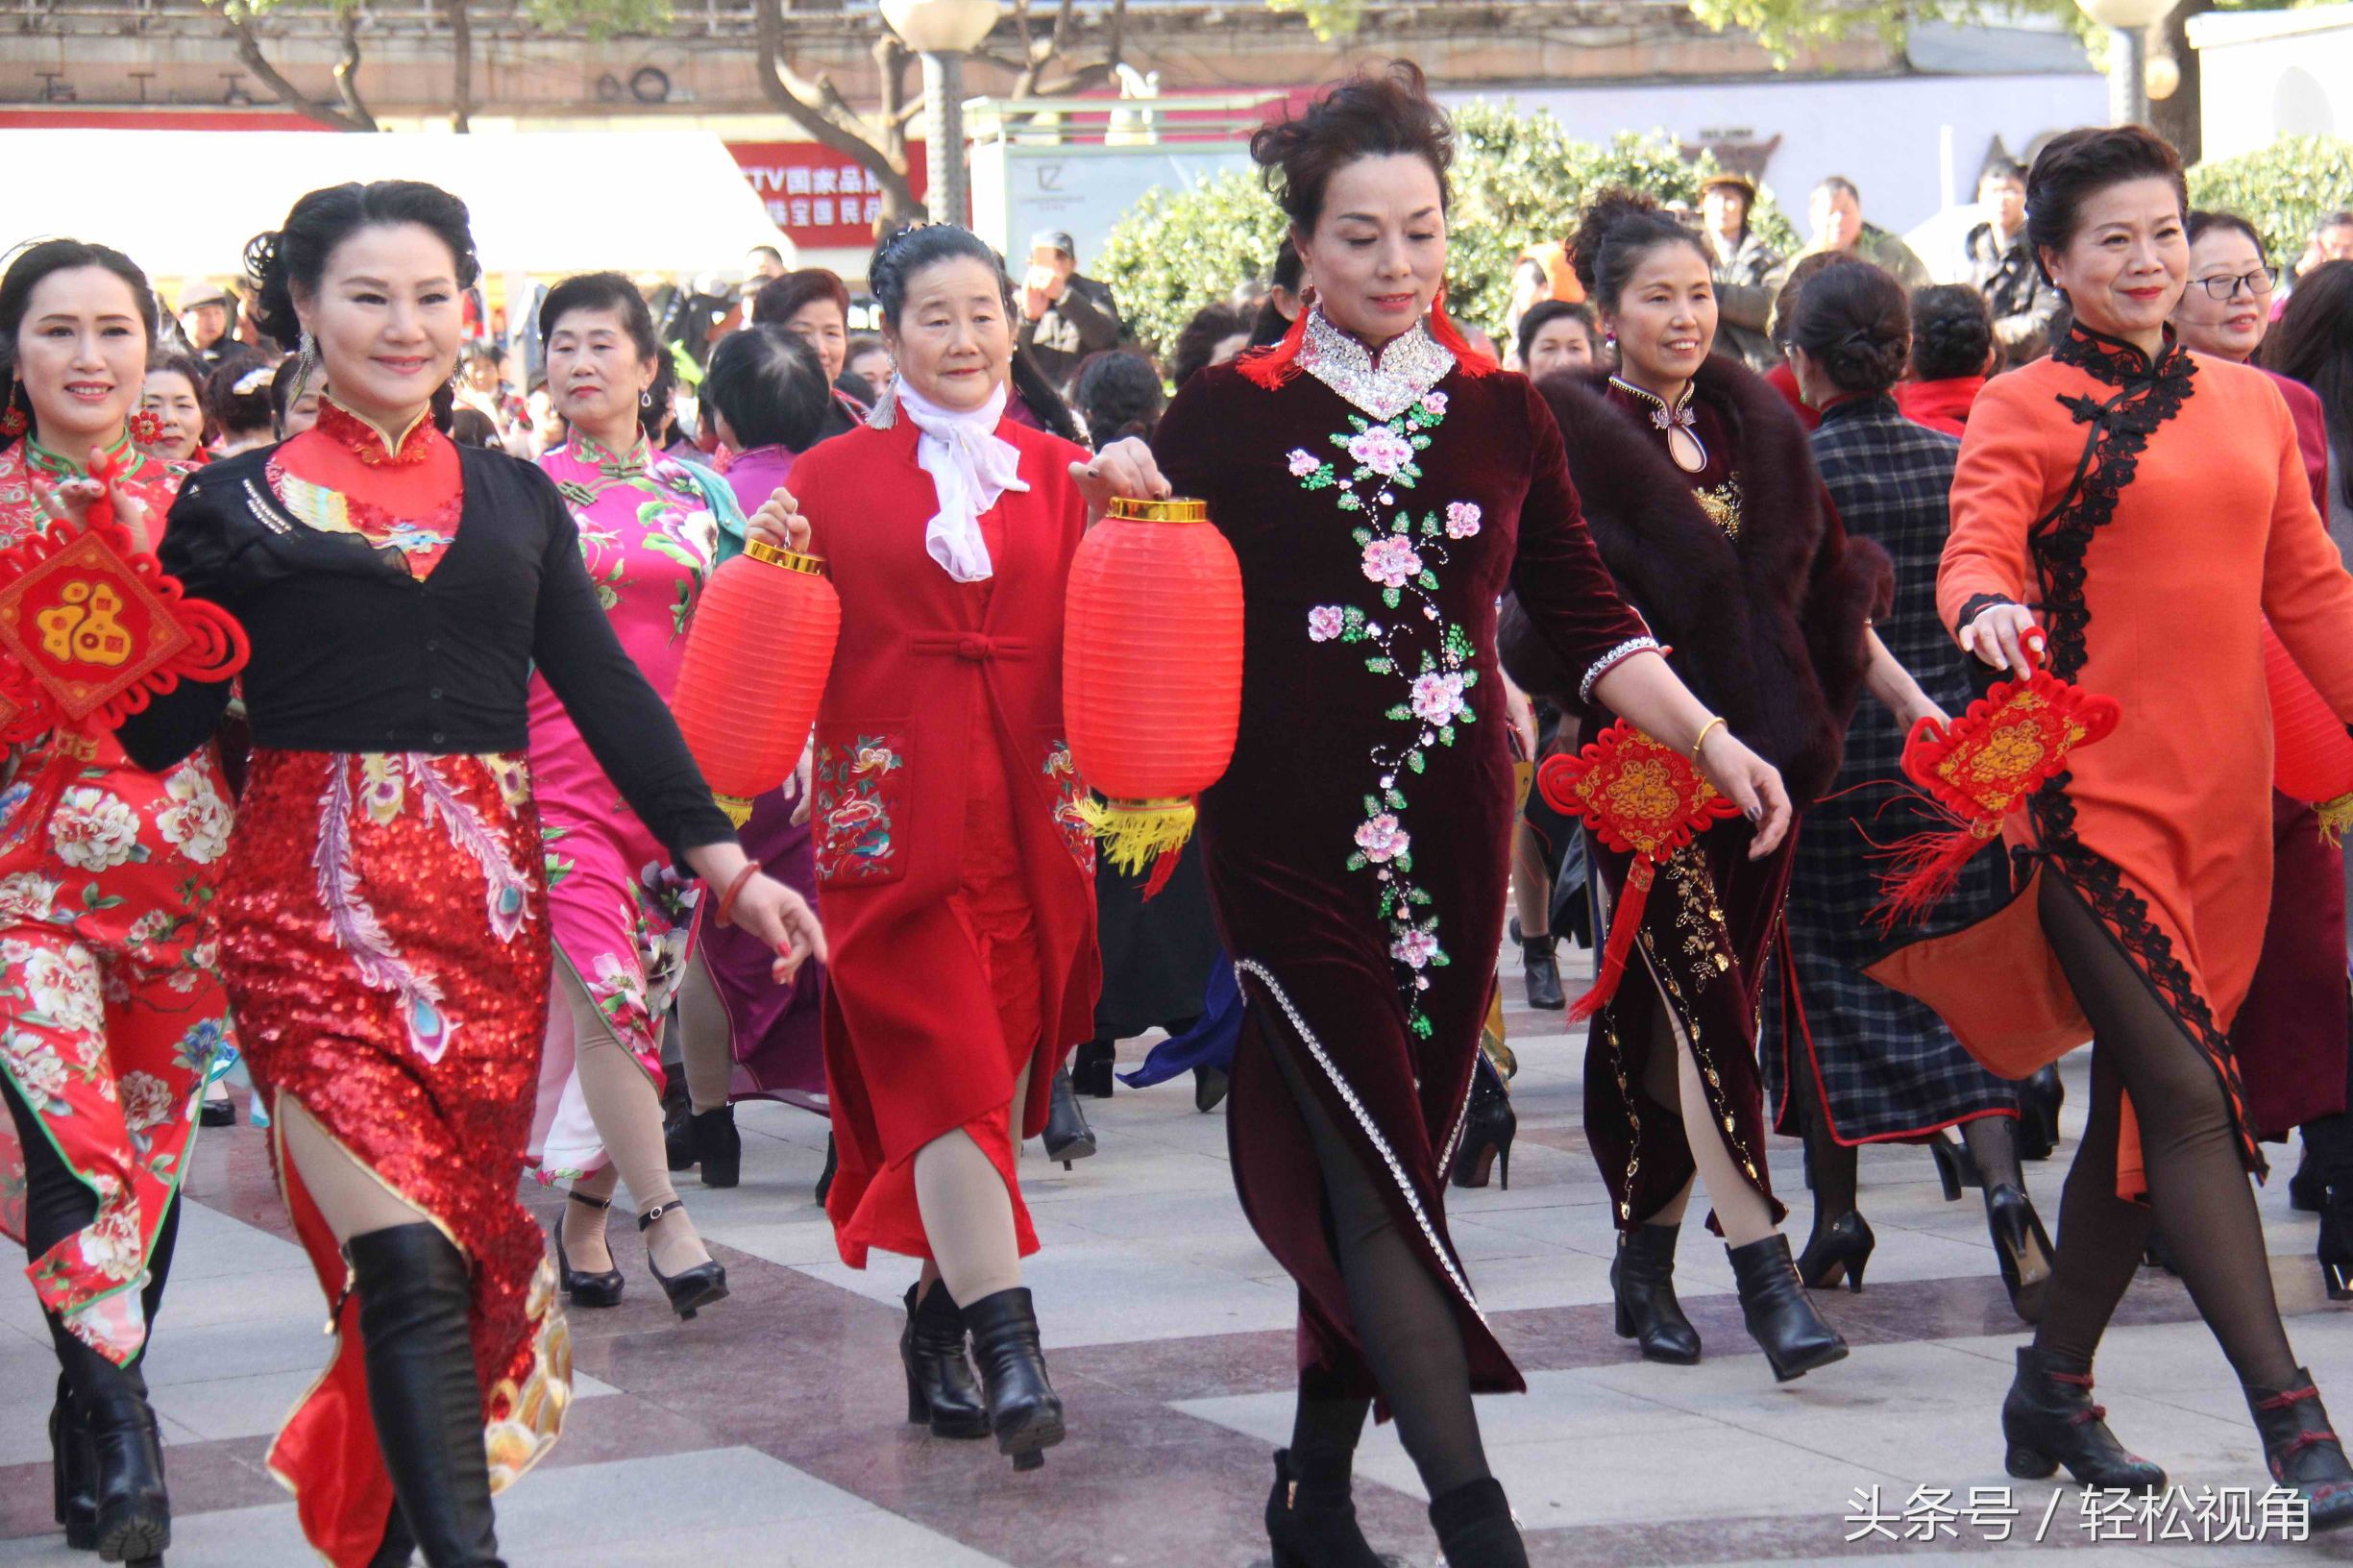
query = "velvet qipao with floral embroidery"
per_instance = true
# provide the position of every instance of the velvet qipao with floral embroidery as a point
(1355, 848)
(623, 913)
(112, 1008)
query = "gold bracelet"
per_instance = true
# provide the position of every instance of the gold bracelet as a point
(1706, 729)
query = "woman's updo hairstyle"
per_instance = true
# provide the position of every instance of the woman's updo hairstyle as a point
(1952, 332)
(901, 255)
(2078, 164)
(1855, 323)
(1619, 228)
(35, 262)
(295, 256)
(1384, 112)
(603, 291)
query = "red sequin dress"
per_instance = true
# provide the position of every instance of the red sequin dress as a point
(112, 1008)
(385, 917)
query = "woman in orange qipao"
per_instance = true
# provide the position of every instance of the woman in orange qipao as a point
(2135, 509)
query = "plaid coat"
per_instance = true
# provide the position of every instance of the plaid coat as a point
(1890, 1068)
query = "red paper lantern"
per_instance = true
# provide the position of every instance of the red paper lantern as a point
(2312, 756)
(754, 670)
(1152, 671)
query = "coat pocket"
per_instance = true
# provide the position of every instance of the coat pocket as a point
(859, 819)
(1070, 795)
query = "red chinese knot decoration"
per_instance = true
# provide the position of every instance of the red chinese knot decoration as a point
(1641, 799)
(754, 670)
(2312, 756)
(1979, 768)
(1152, 673)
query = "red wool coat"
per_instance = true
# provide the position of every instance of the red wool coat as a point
(933, 681)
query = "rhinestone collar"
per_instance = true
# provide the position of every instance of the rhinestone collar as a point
(1409, 366)
(1663, 417)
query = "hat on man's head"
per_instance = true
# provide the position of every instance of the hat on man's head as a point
(1054, 239)
(201, 292)
(1726, 180)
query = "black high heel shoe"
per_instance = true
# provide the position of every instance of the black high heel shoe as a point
(689, 1289)
(1209, 1087)
(719, 1148)
(2048, 1420)
(2302, 1452)
(824, 1178)
(2308, 1187)
(1488, 1127)
(1955, 1168)
(2022, 1247)
(940, 1392)
(581, 1288)
(2040, 1095)
(1023, 1409)
(1642, 1279)
(2336, 1249)
(1311, 1523)
(1780, 1314)
(1067, 1136)
(1090, 1068)
(1840, 1250)
(75, 1491)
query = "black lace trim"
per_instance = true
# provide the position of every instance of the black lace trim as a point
(1977, 605)
(2149, 394)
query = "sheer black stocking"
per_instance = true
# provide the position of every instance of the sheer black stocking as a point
(1993, 1148)
(2198, 1189)
(1404, 1319)
(1833, 1165)
(1325, 1429)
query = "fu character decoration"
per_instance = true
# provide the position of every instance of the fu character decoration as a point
(754, 670)
(1641, 799)
(1152, 675)
(91, 629)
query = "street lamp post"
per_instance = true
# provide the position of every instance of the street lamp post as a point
(2129, 22)
(942, 32)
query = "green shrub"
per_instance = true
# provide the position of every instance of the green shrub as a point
(1519, 179)
(2284, 189)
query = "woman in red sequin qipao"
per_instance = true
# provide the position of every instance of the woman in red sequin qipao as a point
(111, 1007)
(384, 912)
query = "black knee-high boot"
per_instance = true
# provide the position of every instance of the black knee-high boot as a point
(423, 1390)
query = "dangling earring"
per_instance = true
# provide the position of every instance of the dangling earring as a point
(645, 399)
(12, 421)
(305, 363)
(146, 427)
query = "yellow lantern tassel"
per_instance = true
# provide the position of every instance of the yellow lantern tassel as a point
(738, 809)
(1134, 833)
(2336, 816)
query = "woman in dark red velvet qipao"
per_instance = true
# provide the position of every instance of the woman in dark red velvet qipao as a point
(1382, 486)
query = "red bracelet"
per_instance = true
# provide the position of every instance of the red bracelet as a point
(726, 899)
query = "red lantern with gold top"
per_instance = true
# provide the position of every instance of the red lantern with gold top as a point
(754, 670)
(1152, 671)
(2312, 756)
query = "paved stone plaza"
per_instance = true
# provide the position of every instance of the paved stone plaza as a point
(768, 1432)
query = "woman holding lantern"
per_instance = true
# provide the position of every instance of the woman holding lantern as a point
(949, 845)
(111, 991)
(383, 909)
(1381, 485)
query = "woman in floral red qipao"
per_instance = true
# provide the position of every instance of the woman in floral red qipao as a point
(1382, 486)
(383, 909)
(110, 1005)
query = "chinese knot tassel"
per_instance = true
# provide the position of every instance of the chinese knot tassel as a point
(1625, 924)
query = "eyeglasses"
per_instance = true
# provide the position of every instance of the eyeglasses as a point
(2259, 282)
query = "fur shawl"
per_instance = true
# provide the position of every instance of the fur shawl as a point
(1768, 628)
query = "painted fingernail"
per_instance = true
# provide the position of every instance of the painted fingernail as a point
(1756, 814)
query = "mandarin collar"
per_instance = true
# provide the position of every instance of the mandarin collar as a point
(586, 448)
(1862, 404)
(58, 466)
(1663, 417)
(2117, 362)
(365, 442)
(1408, 368)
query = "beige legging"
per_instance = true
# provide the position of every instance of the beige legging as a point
(706, 1039)
(1674, 1081)
(968, 1214)
(628, 1115)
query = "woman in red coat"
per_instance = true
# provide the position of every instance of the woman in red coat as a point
(949, 855)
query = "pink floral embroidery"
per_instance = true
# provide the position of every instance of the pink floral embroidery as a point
(1382, 840)
(1302, 463)
(1414, 948)
(1392, 561)
(1461, 518)
(1381, 450)
(1438, 698)
(1325, 621)
(1435, 404)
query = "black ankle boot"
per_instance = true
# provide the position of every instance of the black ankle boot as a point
(2050, 1420)
(1489, 1124)
(677, 1130)
(2038, 1098)
(1067, 1136)
(131, 1510)
(1476, 1529)
(2304, 1455)
(422, 1389)
(1541, 968)
(1023, 1409)
(940, 1388)
(1839, 1251)
(824, 1178)
(75, 1489)
(719, 1148)
(1091, 1066)
(1642, 1277)
(1311, 1521)
(2335, 1247)
(1781, 1315)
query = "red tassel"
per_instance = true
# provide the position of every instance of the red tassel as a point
(1272, 365)
(1164, 867)
(1923, 870)
(1624, 926)
(23, 847)
(1468, 359)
